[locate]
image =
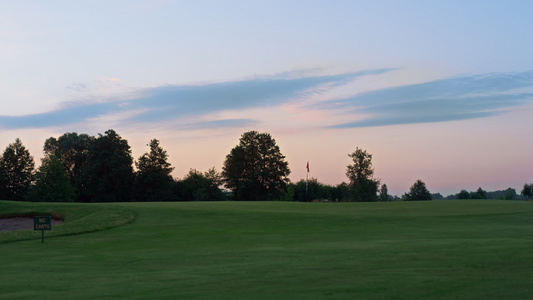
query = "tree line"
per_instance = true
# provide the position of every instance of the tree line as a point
(507, 194)
(84, 168)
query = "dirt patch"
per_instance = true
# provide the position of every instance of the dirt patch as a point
(19, 223)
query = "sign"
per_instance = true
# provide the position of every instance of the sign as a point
(42, 223)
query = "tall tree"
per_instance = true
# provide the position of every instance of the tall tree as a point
(418, 191)
(384, 193)
(16, 171)
(109, 170)
(52, 183)
(233, 172)
(361, 176)
(72, 150)
(255, 169)
(527, 191)
(153, 179)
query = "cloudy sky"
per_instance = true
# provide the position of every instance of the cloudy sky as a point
(435, 90)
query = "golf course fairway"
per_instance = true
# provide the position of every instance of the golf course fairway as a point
(273, 250)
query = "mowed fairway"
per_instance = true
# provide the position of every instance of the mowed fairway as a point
(281, 250)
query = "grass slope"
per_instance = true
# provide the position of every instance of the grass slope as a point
(268, 250)
(79, 218)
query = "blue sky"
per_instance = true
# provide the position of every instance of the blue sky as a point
(441, 91)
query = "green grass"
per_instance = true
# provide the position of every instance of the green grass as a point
(79, 218)
(269, 250)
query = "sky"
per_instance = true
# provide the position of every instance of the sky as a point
(440, 91)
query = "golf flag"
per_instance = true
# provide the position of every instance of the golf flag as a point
(307, 167)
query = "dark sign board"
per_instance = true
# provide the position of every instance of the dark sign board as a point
(42, 223)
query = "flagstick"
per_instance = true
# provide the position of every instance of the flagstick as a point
(306, 184)
(306, 181)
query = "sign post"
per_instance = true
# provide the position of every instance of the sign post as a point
(42, 224)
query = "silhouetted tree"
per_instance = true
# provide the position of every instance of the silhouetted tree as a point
(153, 180)
(109, 170)
(341, 192)
(52, 183)
(500, 194)
(384, 193)
(527, 191)
(436, 196)
(363, 186)
(289, 195)
(315, 190)
(255, 169)
(72, 150)
(197, 186)
(479, 194)
(482, 193)
(510, 194)
(16, 171)
(463, 194)
(418, 191)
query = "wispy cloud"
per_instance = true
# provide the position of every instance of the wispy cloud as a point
(174, 101)
(69, 114)
(450, 99)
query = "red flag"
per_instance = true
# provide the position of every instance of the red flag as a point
(307, 167)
